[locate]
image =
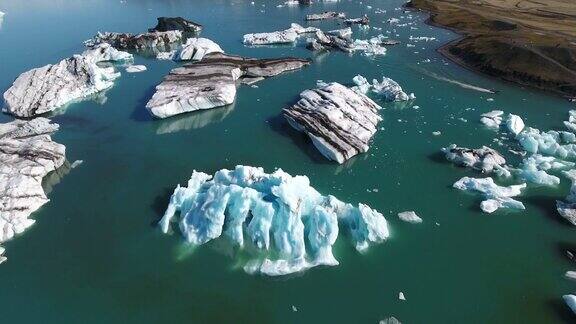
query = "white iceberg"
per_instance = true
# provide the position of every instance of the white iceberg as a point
(515, 124)
(484, 159)
(287, 36)
(388, 88)
(492, 119)
(47, 88)
(278, 214)
(496, 196)
(196, 48)
(570, 301)
(533, 169)
(571, 122)
(410, 217)
(559, 144)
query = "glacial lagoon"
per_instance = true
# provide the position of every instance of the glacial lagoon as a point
(96, 253)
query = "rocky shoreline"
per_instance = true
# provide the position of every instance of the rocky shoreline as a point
(532, 47)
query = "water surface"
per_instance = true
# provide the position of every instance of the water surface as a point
(96, 256)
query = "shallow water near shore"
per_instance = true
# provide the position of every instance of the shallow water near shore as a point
(96, 255)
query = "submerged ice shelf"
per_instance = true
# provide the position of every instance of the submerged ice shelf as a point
(280, 215)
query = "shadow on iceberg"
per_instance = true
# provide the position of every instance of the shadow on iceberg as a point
(279, 125)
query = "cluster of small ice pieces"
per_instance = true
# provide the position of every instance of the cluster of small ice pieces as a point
(290, 223)
(336, 39)
(546, 151)
(388, 88)
(47, 88)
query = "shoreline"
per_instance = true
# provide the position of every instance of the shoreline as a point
(446, 50)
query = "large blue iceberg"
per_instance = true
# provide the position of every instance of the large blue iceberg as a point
(276, 213)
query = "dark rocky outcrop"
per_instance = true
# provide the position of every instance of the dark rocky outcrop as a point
(176, 23)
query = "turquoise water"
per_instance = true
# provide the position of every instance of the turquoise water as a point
(96, 256)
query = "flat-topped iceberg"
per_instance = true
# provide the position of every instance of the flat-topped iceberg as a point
(212, 82)
(339, 121)
(388, 88)
(47, 88)
(27, 155)
(410, 217)
(496, 196)
(287, 36)
(492, 119)
(282, 216)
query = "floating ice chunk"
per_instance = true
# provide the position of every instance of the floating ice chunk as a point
(196, 48)
(47, 88)
(287, 36)
(166, 55)
(388, 88)
(135, 68)
(571, 122)
(339, 121)
(533, 169)
(515, 124)
(570, 300)
(553, 143)
(496, 196)
(483, 159)
(569, 274)
(370, 47)
(390, 320)
(410, 217)
(492, 119)
(277, 213)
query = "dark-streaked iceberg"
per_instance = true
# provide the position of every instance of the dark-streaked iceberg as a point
(47, 88)
(280, 215)
(339, 121)
(27, 155)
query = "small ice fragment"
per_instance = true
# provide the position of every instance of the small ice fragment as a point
(570, 275)
(135, 68)
(410, 217)
(76, 163)
(401, 296)
(570, 300)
